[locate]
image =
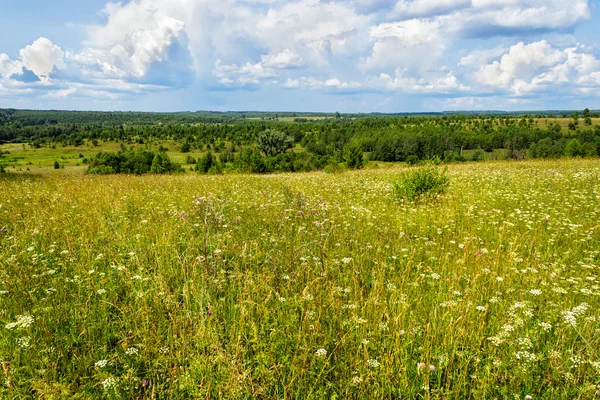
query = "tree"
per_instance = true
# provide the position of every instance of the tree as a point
(209, 164)
(354, 156)
(586, 113)
(272, 142)
(157, 164)
(56, 165)
(186, 147)
(574, 149)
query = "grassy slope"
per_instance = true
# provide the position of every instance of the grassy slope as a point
(125, 269)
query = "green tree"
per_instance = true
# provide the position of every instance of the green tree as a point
(354, 156)
(157, 166)
(186, 147)
(574, 149)
(272, 142)
(209, 164)
(585, 113)
(56, 165)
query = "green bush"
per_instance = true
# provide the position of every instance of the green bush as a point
(425, 183)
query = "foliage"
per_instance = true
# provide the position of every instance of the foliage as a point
(354, 156)
(425, 183)
(186, 147)
(272, 142)
(132, 162)
(209, 164)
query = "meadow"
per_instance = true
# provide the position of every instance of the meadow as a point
(302, 286)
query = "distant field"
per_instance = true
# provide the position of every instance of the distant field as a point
(306, 285)
(23, 157)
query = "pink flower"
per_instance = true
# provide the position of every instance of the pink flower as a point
(431, 368)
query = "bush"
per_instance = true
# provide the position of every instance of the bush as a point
(412, 160)
(56, 165)
(423, 184)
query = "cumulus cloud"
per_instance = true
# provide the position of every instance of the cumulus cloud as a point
(446, 84)
(38, 60)
(415, 44)
(284, 60)
(539, 66)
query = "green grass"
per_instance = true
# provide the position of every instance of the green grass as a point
(303, 286)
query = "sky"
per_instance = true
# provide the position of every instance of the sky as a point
(300, 55)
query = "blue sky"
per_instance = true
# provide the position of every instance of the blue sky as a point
(300, 55)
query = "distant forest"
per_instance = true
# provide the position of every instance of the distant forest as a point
(267, 142)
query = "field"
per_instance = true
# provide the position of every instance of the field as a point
(302, 285)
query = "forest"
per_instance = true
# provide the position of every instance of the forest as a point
(290, 142)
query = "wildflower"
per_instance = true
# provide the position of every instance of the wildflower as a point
(321, 353)
(373, 363)
(131, 351)
(357, 380)
(101, 291)
(209, 313)
(346, 260)
(545, 326)
(480, 308)
(144, 383)
(101, 364)
(22, 322)
(528, 397)
(535, 292)
(24, 342)
(109, 383)
(432, 368)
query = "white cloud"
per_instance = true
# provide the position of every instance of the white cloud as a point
(328, 84)
(42, 57)
(59, 94)
(538, 66)
(284, 60)
(522, 62)
(407, 9)
(242, 74)
(9, 67)
(416, 44)
(446, 84)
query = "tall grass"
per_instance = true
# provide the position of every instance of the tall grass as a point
(302, 286)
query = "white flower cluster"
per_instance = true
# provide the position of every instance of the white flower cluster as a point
(22, 322)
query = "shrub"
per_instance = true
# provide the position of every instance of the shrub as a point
(56, 165)
(426, 183)
(412, 160)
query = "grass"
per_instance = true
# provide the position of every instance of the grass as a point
(302, 286)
